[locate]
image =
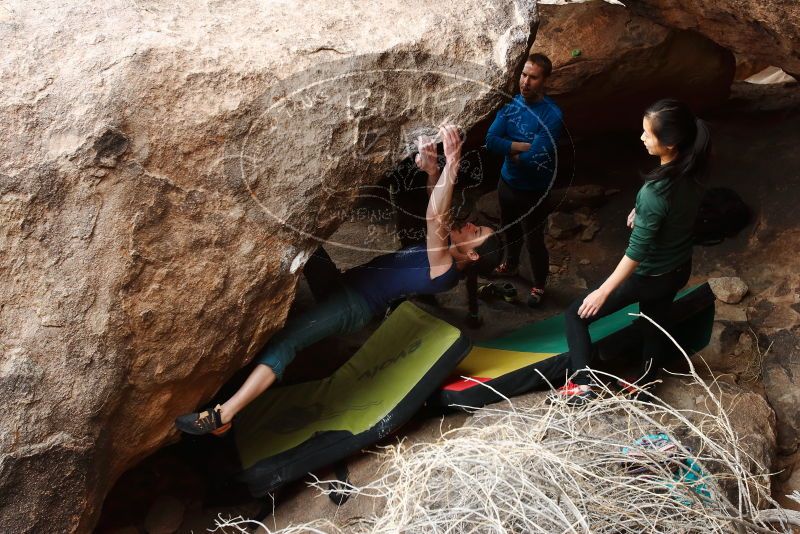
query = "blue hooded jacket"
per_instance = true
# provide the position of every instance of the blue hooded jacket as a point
(539, 124)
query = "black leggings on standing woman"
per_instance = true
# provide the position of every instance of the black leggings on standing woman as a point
(523, 214)
(654, 295)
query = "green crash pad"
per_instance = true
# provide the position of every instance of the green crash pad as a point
(289, 431)
(536, 355)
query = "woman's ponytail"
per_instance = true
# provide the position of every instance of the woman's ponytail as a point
(674, 124)
(701, 150)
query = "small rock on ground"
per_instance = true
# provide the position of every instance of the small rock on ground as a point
(730, 289)
(589, 232)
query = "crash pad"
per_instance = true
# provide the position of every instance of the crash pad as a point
(536, 355)
(290, 431)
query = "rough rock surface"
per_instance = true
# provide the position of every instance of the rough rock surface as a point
(764, 31)
(609, 64)
(561, 225)
(164, 173)
(578, 196)
(728, 289)
(781, 369)
(588, 233)
(746, 67)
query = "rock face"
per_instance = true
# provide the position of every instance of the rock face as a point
(165, 172)
(764, 31)
(749, 414)
(609, 64)
(561, 225)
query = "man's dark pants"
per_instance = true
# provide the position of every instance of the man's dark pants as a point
(523, 215)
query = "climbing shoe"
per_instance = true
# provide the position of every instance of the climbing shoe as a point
(505, 291)
(567, 390)
(207, 422)
(571, 394)
(504, 269)
(535, 297)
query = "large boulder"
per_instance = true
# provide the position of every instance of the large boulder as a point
(609, 64)
(166, 171)
(764, 31)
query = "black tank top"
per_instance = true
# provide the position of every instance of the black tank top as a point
(398, 274)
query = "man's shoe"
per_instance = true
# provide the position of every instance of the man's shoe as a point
(207, 422)
(504, 269)
(535, 297)
(505, 291)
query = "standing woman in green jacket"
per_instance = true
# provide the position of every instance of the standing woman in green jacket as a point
(658, 260)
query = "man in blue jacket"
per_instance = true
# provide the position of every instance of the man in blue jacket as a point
(526, 131)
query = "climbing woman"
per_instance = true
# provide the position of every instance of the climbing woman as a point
(356, 296)
(658, 260)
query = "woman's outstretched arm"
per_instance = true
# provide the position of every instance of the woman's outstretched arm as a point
(438, 213)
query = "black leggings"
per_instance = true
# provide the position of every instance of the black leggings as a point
(525, 211)
(654, 295)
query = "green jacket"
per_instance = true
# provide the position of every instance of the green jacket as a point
(662, 234)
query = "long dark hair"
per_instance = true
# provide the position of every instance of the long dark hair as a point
(674, 124)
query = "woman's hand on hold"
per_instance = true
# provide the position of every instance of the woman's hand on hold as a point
(451, 139)
(631, 218)
(592, 304)
(426, 159)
